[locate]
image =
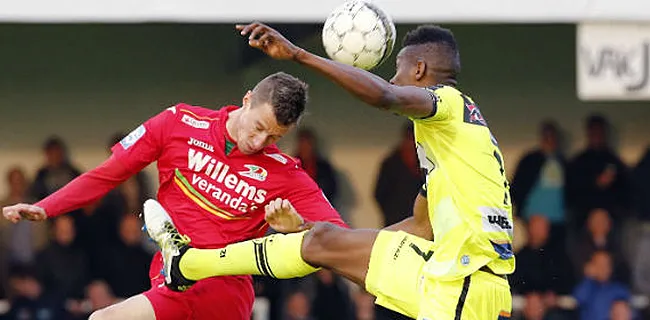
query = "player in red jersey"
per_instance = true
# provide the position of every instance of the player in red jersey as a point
(217, 172)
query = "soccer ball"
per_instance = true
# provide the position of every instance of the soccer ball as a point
(359, 33)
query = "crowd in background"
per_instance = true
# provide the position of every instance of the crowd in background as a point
(582, 226)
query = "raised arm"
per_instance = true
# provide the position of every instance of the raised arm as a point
(375, 91)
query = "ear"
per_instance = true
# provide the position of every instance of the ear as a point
(246, 101)
(420, 69)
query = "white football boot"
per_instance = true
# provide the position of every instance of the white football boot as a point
(172, 244)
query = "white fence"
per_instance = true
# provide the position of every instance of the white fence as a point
(461, 11)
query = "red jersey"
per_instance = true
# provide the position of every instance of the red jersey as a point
(214, 193)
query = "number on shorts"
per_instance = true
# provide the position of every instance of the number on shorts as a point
(419, 252)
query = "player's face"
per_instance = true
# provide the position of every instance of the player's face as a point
(405, 70)
(258, 127)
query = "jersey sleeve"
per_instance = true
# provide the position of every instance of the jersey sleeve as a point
(141, 147)
(441, 110)
(144, 144)
(86, 189)
(310, 201)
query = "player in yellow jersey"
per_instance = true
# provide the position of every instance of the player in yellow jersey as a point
(460, 273)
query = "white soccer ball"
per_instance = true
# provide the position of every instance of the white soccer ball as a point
(360, 34)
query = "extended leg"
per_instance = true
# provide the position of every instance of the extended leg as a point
(344, 251)
(279, 256)
(285, 256)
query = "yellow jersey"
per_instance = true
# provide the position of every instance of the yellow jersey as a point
(467, 190)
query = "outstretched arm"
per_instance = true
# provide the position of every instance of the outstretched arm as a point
(407, 100)
(132, 154)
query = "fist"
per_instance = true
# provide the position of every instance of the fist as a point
(23, 211)
(269, 40)
(283, 217)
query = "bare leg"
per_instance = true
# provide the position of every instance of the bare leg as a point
(135, 308)
(344, 251)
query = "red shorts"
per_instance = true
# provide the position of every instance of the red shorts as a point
(227, 298)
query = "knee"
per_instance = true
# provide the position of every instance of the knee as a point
(102, 314)
(318, 240)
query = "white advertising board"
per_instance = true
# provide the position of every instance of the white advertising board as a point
(403, 11)
(613, 61)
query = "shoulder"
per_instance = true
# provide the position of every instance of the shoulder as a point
(274, 156)
(282, 164)
(196, 111)
(194, 116)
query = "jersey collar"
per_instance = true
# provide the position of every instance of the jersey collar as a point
(230, 145)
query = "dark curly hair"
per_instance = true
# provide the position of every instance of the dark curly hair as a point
(440, 44)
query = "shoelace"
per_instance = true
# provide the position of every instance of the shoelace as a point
(177, 239)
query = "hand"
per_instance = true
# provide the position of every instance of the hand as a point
(24, 211)
(269, 40)
(283, 217)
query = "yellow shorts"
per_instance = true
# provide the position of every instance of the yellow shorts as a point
(395, 276)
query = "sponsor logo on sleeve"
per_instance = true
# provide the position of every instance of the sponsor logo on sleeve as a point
(278, 157)
(199, 124)
(133, 137)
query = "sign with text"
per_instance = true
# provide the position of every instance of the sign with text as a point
(613, 61)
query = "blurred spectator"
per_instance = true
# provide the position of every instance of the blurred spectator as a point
(298, 307)
(621, 311)
(127, 279)
(316, 166)
(18, 242)
(56, 172)
(270, 289)
(599, 236)
(641, 258)
(399, 180)
(98, 296)
(98, 226)
(642, 262)
(640, 178)
(538, 184)
(597, 293)
(597, 178)
(534, 307)
(62, 266)
(520, 235)
(365, 305)
(30, 301)
(542, 267)
(332, 299)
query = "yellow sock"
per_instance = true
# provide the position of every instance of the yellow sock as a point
(277, 256)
